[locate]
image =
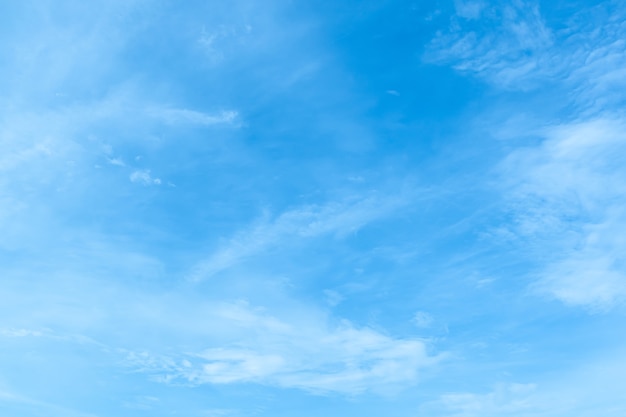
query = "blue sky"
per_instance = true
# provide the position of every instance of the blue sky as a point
(280, 208)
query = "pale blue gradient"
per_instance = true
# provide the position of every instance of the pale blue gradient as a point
(372, 208)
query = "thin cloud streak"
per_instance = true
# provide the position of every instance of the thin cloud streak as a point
(303, 223)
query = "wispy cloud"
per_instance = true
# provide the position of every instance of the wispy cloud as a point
(568, 194)
(144, 177)
(218, 43)
(552, 395)
(302, 223)
(510, 399)
(314, 356)
(186, 116)
(422, 319)
(20, 333)
(469, 9)
(520, 52)
(510, 55)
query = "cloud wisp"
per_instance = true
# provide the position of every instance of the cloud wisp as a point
(313, 355)
(569, 194)
(174, 116)
(510, 55)
(520, 52)
(566, 193)
(308, 222)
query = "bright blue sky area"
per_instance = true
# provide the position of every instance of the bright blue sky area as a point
(373, 208)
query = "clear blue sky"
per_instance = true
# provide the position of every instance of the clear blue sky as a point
(312, 208)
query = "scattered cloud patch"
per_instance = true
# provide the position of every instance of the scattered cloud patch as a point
(593, 280)
(308, 222)
(510, 54)
(20, 333)
(313, 356)
(509, 45)
(145, 402)
(217, 43)
(117, 161)
(508, 399)
(422, 319)
(192, 117)
(469, 9)
(144, 177)
(569, 194)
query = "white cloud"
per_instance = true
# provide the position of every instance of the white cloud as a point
(588, 279)
(592, 387)
(116, 161)
(143, 177)
(185, 338)
(186, 116)
(144, 402)
(20, 333)
(506, 399)
(511, 55)
(567, 192)
(568, 196)
(311, 355)
(521, 52)
(469, 9)
(219, 42)
(422, 319)
(306, 222)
